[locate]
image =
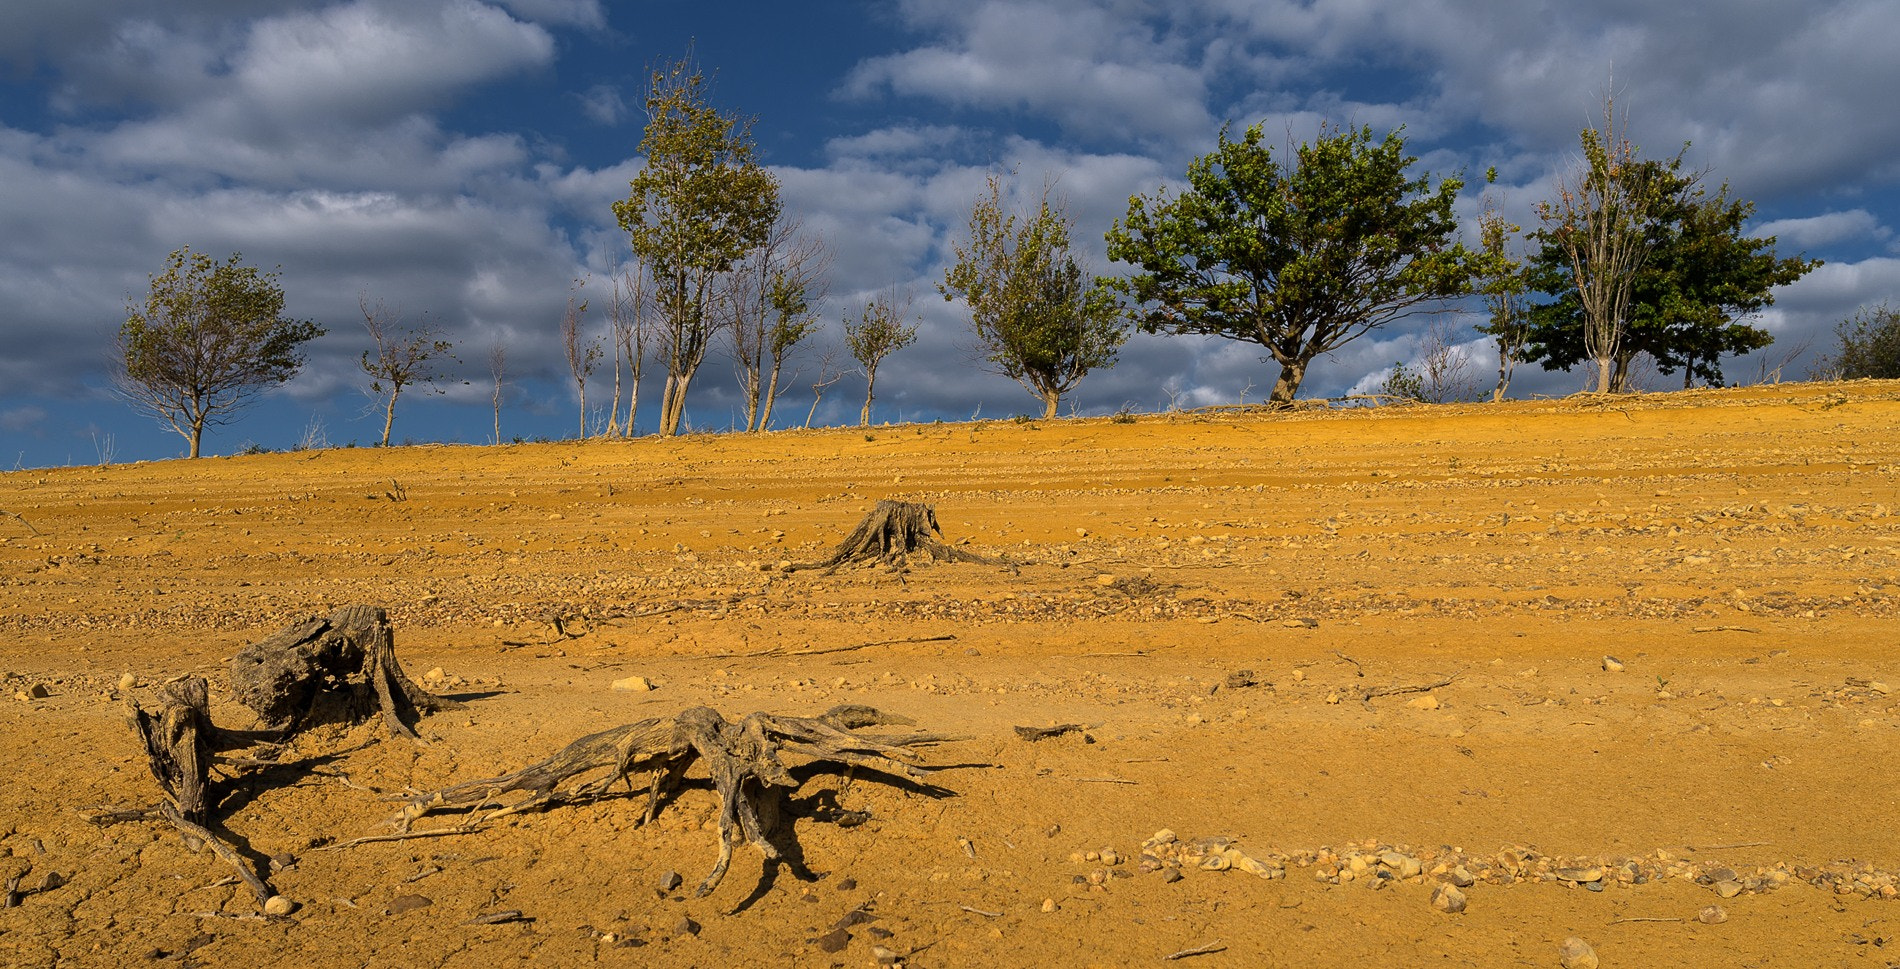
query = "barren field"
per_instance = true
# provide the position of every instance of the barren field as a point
(1604, 664)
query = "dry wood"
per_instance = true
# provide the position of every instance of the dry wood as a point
(821, 650)
(1042, 733)
(1411, 688)
(891, 532)
(744, 760)
(1208, 949)
(347, 657)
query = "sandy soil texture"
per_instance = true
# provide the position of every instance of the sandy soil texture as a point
(1600, 665)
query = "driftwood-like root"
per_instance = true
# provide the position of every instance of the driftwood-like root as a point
(743, 759)
(348, 655)
(891, 532)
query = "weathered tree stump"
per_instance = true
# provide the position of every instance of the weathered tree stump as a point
(348, 656)
(891, 532)
(743, 760)
(178, 746)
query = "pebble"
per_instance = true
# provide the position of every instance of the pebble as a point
(1612, 665)
(1712, 915)
(885, 956)
(670, 880)
(1426, 702)
(1048, 905)
(686, 926)
(1448, 899)
(406, 903)
(1576, 954)
(633, 684)
(277, 906)
(128, 681)
(1727, 888)
(38, 691)
(834, 940)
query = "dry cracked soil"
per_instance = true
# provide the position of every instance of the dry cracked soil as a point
(1598, 664)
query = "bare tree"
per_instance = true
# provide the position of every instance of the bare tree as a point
(878, 332)
(630, 314)
(402, 357)
(828, 374)
(773, 296)
(497, 368)
(1444, 367)
(582, 354)
(1600, 219)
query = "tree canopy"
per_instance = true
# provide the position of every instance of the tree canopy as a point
(1700, 276)
(1300, 259)
(1039, 320)
(209, 338)
(1869, 346)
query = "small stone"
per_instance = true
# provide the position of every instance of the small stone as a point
(670, 880)
(1105, 579)
(127, 681)
(1712, 915)
(1448, 899)
(1576, 954)
(1580, 875)
(407, 903)
(1171, 875)
(885, 957)
(38, 691)
(686, 926)
(1048, 905)
(834, 940)
(1460, 877)
(277, 906)
(847, 884)
(1879, 687)
(1426, 702)
(633, 684)
(1727, 888)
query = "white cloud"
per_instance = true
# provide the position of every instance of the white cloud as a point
(1852, 226)
(603, 104)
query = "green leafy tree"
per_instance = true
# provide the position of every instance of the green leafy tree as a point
(1300, 259)
(1039, 320)
(774, 295)
(403, 358)
(208, 340)
(1869, 346)
(1504, 287)
(699, 205)
(877, 333)
(1699, 278)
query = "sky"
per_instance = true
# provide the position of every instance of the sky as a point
(457, 160)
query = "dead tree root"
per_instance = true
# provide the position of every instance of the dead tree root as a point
(348, 655)
(744, 760)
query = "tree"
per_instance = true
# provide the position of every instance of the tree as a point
(630, 315)
(210, 338)
(1503, 284)
(1869, 346)
(582, 354)
(1299, 260)
(497, 369)
(773, 296)
(699, 206)
(1038, 319)
(1599, 227)
(402, 358)
(1699, 277)
(877, 333)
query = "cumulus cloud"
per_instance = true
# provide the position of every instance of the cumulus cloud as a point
(1854, 225)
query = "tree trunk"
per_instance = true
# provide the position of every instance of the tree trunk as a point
(1287, 385)
(870, 386)
(1051, 399)
(1604, 379)
(891, 532)
(389, 416)
(771, 397)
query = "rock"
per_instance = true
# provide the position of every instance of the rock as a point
(1580, 875)
(1105, 579)
(885, 957)
(38, 691)
(1171, 875)
(407, 903)
(128, 681)
(1727, 888)
(1612, 665)
(1460, 877)
(1878, 687)
(1426, 702)
(849, 884)
(1576, 954)
(633, 684)
(686, 926)
(277, 906)
(834, 940)
(1712, 915)
(1048, 905)
(670, 880)
(1448, 899)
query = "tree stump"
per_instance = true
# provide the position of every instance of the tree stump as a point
(348, 656)
(891, 532)
(743, 760)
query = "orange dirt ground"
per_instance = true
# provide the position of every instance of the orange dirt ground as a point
(1737, 551)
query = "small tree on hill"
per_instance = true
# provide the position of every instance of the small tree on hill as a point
(1869, 346)
(878, 332)
(402, 358)
(209, 338)
(1300, 259)
(1039, 320)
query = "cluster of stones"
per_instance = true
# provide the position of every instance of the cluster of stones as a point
(1451, 870)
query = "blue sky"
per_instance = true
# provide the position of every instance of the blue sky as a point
(457, 158)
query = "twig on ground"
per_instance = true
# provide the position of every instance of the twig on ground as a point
(1738, 844)
(978, 911)
(1208, 949)
(1411, 688)
(776, 651)
(1355, 663)
(17, 518)
(1104, 780)
(1724, 629)
(1669, 919)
